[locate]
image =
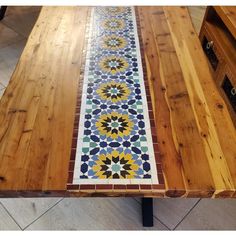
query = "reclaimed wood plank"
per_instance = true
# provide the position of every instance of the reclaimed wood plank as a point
(33, 109)
(172, 167)
(213, 120)
(182, 117)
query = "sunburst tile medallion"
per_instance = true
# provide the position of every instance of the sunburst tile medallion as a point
(114, 143)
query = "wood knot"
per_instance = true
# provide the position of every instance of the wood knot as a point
(181, 145)
(163, 88)
(2, 179)
(220, 106)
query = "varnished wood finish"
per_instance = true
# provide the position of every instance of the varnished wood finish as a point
(228, 15)
(219, 27)
(37, 109)
(210, 111)
(196, 134)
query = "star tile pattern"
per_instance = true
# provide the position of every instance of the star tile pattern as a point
(114, 137)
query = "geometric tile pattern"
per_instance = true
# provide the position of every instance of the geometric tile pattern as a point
(114, 140)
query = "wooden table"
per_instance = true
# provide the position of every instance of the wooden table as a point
(196, 136)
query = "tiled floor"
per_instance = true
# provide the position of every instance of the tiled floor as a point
(95, 213)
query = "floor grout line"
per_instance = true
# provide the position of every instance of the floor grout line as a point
(20, 34)
(43, 213)
(2, 86)
(187, 214)
(8, 45)
(10, 215)
(154, 216)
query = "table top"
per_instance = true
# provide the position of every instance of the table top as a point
(191, 139)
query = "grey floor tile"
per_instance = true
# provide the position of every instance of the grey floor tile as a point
(21, 23)
(94, 214)
(9, 57)
(8, 36)
(16, 10)
(6, 222)
(171, 211)
(26, 210)
(2, 89)
(211, 214)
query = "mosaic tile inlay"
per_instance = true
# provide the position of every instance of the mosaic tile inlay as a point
(114, 143)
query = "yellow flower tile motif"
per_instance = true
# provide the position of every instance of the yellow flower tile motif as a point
(113, 64)
(113, 42)
(113, 91)
(114, 125)
(113, 11)
(115, 165)
(113, 24)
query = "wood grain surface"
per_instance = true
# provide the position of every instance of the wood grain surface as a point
(195, 131)
(228, 15)
(37, 110)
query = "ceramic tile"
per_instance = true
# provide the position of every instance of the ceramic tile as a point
(211, 214)
(6, 222)
(21, 22)
(171, 211)
(114, 137)
(2, 89)
(94, 214)
(9, 57)
(26, 210)
(16, 10)
(8, 36)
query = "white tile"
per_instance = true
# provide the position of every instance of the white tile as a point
(6, 222)
(94, 214)
(9, 57)
(211, 214)
(26, 210)
(171, 211)
(2, 89)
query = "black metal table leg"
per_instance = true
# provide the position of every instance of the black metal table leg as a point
(147, 212)
(2, 12)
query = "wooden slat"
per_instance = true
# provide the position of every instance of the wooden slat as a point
(211, 114)
(172, 166)
(39, 104)
(182, 119)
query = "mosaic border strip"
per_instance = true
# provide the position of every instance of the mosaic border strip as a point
(117, 186)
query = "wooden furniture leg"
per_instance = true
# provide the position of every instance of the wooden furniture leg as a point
(147, 212)
(2, 12)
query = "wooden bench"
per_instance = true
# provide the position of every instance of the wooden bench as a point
(195, 133)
